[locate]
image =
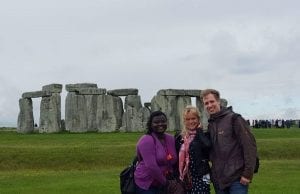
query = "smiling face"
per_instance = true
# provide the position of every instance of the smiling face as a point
(211, 104)
(191, 120)
(159, 124)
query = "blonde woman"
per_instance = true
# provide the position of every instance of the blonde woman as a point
(193, 153)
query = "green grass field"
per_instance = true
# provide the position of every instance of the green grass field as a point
(91, 162)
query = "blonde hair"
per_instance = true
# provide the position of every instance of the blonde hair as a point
(189, 109)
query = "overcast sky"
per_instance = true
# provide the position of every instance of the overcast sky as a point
(248, 50)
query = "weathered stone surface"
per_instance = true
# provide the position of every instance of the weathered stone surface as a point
(192, 93)
(168, 105)
(224, 102)
(147, 105)
(133, 117)
(75, 87)
(50, 114)
(91, 107)
(91, 91)
(109, 113)
(171, 92)
(133, 101)
(123, 92)
(75, 113)
(203, 112)
(63, 125)
(25, 117)
(102, 113)
(36, 94)
(135, 120)
(182, 102)
(179, 92)
(145, 114)
(53, 88)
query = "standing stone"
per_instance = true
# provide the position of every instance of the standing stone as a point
(133, 101)
(133, 115)
(75, 113)
(138, 122)
(182, 102)
(224, 102)
(91, 107)
(203, 112)
(50, 114)
(144, 114)
(25, 117)
(168, 105)
(109, 113)
(63, 125)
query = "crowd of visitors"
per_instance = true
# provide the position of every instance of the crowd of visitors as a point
(278, 123)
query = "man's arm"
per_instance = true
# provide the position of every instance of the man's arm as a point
(248, 144)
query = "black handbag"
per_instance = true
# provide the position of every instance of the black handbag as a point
(127, 184)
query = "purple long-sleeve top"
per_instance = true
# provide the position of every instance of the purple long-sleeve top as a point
(156, 160)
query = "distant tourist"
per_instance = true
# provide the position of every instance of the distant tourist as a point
(279, 124)
(233, 153)
(288, 124)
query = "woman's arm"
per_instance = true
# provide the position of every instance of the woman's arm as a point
(203, 138)
(147, 150)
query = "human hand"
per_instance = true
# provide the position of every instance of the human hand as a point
(172, 186)
(181, 177)
(199, 125)
(244, 181)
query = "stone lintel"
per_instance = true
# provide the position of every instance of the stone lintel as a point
(192, 93)
(171, 92)
(179, 92)
(36, 94)
(54, 88)
(123, 92)
(75, 87)
(91, 91)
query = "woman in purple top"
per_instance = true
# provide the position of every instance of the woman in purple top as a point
(157, 156)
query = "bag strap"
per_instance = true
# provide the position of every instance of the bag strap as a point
(233, 119)
(135, 160)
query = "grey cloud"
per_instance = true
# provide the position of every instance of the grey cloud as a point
(250, 50)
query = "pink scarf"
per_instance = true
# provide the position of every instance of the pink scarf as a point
(184, 157)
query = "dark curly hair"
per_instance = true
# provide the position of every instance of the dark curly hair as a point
(152, 115)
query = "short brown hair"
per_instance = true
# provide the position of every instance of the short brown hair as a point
(214, 92)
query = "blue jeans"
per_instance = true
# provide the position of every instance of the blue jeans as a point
(151, 190)
(235, 188)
